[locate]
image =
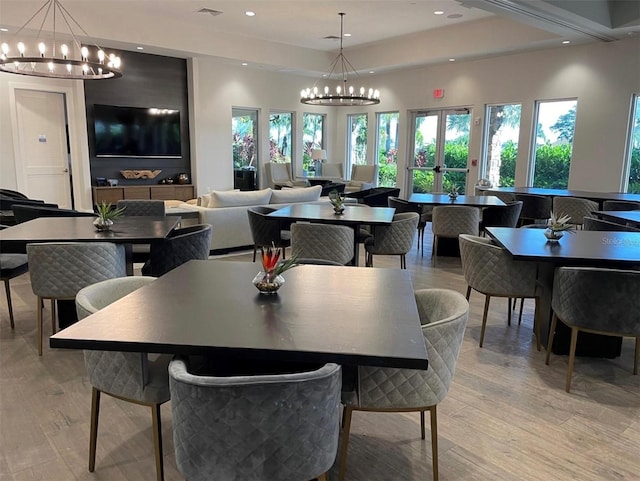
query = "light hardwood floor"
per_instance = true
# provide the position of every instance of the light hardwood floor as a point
(506, 417)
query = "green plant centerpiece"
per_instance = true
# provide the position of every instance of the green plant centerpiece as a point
(270, 279)
(106, 214)
(557, 225)
(337, 201)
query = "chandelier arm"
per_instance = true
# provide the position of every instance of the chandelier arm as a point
(355, 72)
(63, 9)
(44, 19)
(48, 2)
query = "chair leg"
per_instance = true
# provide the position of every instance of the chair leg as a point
(434, 251)
(53, 316)
(39, 321)
(536, 324)
(468, 292)
(93, 436)
(552, 333)
(7, 290)
(255, 248)
(403, 261)
(348, 410)
(572, 357)
(520, 315)
(509, 311)
(434, 441)
(422, 424)
(157, 441)
(422, 243)
(487, 299)
(637, 358)
(323, 477)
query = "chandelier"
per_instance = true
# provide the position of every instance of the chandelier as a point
(50, 57)
(345, 94)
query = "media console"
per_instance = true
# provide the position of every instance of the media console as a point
(163, 192)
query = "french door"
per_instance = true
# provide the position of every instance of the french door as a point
(440, 150)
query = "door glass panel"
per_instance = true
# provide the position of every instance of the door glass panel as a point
(280, 145)
(387, 155)
(634, 149)
(554, 142)
(312, 138)
(357, 140)
(501, 144)
(456, 151)
(424, 152)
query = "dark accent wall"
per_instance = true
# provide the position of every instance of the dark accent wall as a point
(147, 81)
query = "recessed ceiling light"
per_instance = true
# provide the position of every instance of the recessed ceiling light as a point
(347, 35)
(371, 71)
(249, 13)
(566, 42)
(438, 12)
(4, 29)
(324, 75)
(452, 60)
(139, 48)
(244, 64)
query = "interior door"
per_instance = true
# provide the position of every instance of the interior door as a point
(440, 151)
(43, 150)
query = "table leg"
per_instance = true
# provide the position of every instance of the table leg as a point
(356, 245)
(545, 289)
(128, 258)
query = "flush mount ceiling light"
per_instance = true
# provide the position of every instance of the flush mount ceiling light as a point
(344, 95)
(53, 58)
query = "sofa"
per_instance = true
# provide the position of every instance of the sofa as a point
(226, 211)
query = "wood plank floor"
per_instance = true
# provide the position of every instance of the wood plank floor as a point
(506, 417)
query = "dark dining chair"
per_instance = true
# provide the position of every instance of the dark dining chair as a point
(140, 253)
(11, 266)
(267, 231)
(501, 215)
(24, 213)
(591, 223)
(534, 208)
(620, 205)
(180, 246)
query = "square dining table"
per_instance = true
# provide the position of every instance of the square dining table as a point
(624, 217)
(347, 315)
(444, 199)
(353, 216)
(615, 250)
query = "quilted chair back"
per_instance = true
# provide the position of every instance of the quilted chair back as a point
(489, 269)
(395, 238)
(620, 205)
(453, 220)
(443, 314)
(264, 230)
(133, 207)
(574, 207)
(322, 241)
(181, 246)
(501, 216)
(534, 207)
(591, 223)
(124, 374)
(579, 294)
(60, 269)
(276, 427)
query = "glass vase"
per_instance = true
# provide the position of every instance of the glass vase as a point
(553, 235)
(267, 283)
(102, 224)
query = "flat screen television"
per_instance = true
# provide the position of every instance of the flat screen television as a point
(136, 132)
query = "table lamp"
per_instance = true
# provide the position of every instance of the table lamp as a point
(318, 155)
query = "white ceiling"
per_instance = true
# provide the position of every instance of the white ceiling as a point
(385, 34)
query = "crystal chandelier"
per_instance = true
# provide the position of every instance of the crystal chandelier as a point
(50, 57)
(345, 94)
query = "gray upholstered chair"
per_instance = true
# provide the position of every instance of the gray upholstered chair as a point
(333, 170)
(424, 211)
(11, 265)
(142, 207)
(322, 241)
(451, 221)
(490, 270)
(58, 270)
(620, 205)
(394, 239)
(501, 215)
(129, 376)
(278, 175)
(443, 315)
(255, 427)
(363, 177)
(601, 301)
(267, 231)
(591, 223)
(576, 208)
(535, 208)
(180, 246)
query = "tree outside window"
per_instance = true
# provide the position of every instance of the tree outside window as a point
(501, 143)
(388, 124)
(280, 136)
(357, 140)
(312, 138)
(634, 149)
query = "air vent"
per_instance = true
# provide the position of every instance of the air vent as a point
(210, 11)
(331, 37)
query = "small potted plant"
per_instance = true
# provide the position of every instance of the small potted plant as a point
(106, 214)
(337, 201)
(556, 226)
(269, 279)
(453, 193)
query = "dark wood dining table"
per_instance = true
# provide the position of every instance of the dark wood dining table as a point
(444, 199)
(631, 217)
(617, 250)
(599, 197)
(353, 216)
(347, 315)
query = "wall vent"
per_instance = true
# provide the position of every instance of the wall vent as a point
(210, 11)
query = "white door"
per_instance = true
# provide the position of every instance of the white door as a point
(42, 151)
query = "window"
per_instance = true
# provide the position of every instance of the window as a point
(501, 144)
(312, 137)
(280, 142)
(387, 148)
(555, 122)
(244, 125)
(633, 151)
(357, 139)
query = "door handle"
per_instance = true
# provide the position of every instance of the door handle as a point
(65, 170)
(436, 169)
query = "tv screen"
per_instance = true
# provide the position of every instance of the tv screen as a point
(136, 132)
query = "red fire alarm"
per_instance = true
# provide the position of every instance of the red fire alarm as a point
(438, 93)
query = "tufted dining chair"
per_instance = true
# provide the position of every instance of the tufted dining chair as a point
(265, 426)
(58, 270)
(267, 231)
(424, 211)
(394, 239)
(142, 207)
(443, 315)
(129, 376)
(576, 208)
(490, 270)
(578, 301)
(322, 241)
(182, 245)
(451, 221)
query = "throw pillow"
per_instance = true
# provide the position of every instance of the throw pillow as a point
(289, 196)
(239, 198)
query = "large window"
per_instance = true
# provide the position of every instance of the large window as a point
(244, 128)
(387, 148)
(312, 138)
(634, 148)
(357, 139)
(555, 122)
(501, 143)
(280, 142)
